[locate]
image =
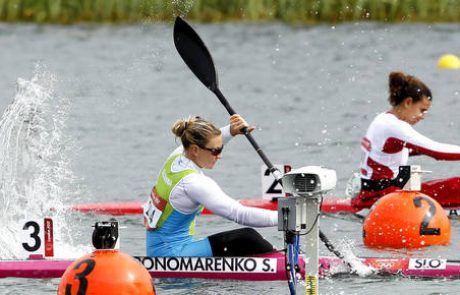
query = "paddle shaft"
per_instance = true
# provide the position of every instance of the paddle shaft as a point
(330, 246)
(248, 135)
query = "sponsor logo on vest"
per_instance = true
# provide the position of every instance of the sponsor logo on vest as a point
(165, 178)
(209, 264)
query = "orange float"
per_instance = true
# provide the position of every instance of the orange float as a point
(406, 219)
(106, 272)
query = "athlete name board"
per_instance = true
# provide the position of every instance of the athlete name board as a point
(209, 264)
(272, 189)
(36, 237)
(427, 263)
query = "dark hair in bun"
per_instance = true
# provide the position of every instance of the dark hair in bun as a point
(402, 86)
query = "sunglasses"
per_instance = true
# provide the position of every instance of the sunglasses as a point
(214, 151)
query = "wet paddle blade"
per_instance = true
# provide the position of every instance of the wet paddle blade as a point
(194, 53)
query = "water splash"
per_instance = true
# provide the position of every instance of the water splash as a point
(35, 173)
(355, 264)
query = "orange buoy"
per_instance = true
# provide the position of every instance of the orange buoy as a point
(406, 219)
(106, 272)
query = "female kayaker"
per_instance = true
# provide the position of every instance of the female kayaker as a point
(391, 139)
(182, 190)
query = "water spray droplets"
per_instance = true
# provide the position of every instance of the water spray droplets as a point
(34, 170)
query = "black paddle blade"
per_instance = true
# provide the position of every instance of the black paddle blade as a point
(194, 53)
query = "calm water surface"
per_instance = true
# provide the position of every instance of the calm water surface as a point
(311, 92)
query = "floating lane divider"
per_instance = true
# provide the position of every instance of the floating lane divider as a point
(329, 205)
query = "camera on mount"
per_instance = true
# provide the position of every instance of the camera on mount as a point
(309, 181)
(304, 186)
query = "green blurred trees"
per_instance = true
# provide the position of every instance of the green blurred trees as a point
(291, 11)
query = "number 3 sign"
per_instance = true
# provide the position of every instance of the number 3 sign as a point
(36, 237)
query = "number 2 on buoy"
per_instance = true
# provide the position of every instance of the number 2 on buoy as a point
(424, 229)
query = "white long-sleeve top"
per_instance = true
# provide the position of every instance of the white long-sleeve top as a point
(198, 189)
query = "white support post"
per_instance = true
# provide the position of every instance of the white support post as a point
(311, 217)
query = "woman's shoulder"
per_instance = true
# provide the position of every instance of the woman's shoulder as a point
(380, 119)
(388, 119)
(386, 116)
(199, 184)
(198, 178)
(387, 125)
(181, 163)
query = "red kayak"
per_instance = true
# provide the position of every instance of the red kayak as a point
(329, 205)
